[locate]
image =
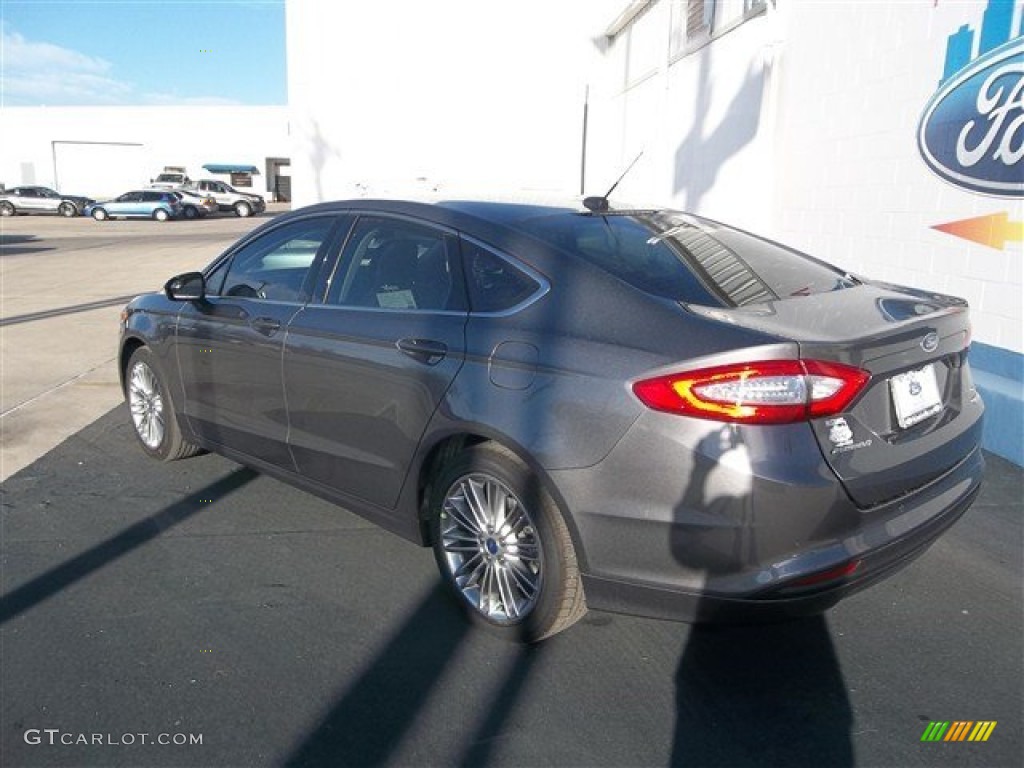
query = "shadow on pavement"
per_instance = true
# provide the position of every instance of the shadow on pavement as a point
(482, 744)
(62, 576)
(368, 722)
(762, 695)
(17, 245)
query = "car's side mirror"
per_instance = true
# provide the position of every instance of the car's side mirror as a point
(190, 286)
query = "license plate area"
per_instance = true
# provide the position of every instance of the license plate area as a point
(915, 396)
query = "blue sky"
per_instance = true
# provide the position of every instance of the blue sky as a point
(142, 52)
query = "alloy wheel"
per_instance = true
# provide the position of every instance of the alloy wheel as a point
(491, 548)
(147, 405)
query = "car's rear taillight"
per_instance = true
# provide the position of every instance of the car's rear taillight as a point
(766, 392)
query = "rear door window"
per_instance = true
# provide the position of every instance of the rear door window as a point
(495, 284)
(397, 264)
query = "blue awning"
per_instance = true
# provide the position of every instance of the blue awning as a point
(229, 168)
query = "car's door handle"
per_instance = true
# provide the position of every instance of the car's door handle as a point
(423, 350)
(268, 326)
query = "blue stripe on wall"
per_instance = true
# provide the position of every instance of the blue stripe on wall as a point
(999, 376)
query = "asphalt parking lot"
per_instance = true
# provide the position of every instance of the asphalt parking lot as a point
(201, 602)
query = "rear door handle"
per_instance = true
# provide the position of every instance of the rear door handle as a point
(268, 326)
(423, 350)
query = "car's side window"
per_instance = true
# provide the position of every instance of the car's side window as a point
(495, 284)
(396, 264)
(151, 197)
(274, 266)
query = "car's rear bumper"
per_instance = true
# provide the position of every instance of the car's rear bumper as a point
(731, 538)
(781, 602)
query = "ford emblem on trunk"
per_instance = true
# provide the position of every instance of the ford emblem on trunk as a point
(930, 342)
(972, 130)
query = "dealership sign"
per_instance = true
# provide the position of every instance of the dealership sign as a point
(972, 130)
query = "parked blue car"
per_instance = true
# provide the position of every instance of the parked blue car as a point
(140, 204)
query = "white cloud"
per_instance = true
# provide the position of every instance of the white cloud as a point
(43, 73)
(38, 73)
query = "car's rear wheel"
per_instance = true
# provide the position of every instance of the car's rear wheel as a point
(502, 545)
(99, 214)
(6, 209)
(152, 409)
(243, 209)
(161, 215)
(67, 210)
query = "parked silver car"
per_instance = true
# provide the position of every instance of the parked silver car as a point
(228, 198)
(21, 200)
(195, 205)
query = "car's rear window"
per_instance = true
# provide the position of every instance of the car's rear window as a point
(686, 259)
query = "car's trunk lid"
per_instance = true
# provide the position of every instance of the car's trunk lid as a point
(918, 415)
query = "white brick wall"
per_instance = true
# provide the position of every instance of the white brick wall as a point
(832, 164)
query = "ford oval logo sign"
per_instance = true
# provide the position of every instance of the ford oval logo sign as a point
(930, 342)
(972, 129)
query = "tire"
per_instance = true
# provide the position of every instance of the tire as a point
(243, 210)
(67, 210)
(154, 417)
(99, 214)
(6, 209)
(161, 215)
(502, 546)
(190, 212)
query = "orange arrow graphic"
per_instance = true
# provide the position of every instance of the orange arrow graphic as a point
(994, 230)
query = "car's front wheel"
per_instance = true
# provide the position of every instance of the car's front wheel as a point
(152, 410)
(190, 212)
(243, 209)
(502, 545)
(67, 210)
(99, 214)
(161, 215)
(6, 209)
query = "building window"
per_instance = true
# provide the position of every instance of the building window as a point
(699, 15)
(241, 179)
(697, 22)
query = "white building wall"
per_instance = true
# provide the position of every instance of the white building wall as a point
(103, 151)
(801, 124)
(459, 95)
(856, 190)
(703, 120)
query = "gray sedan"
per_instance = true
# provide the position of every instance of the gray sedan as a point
(632, 410)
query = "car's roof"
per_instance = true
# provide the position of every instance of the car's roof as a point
(491, 220)
(508, 212)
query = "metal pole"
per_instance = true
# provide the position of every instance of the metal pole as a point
(583, 154)
(53, 152)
